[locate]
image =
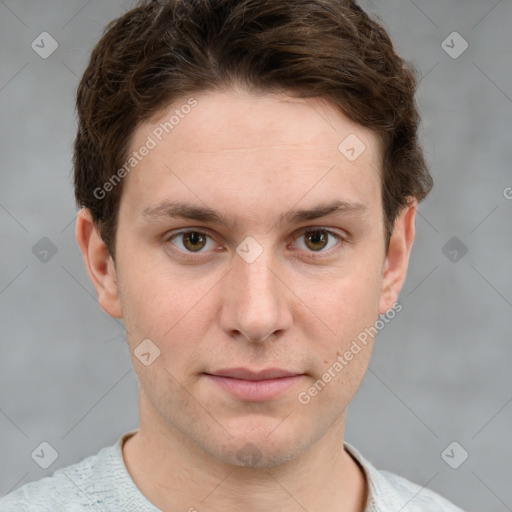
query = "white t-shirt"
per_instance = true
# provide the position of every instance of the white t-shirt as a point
(101, 483)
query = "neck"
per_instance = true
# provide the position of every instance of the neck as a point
(175, 474)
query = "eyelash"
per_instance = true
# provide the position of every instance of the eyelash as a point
(313, 254)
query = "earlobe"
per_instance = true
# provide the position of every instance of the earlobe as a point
(397, 257)
(99, 264)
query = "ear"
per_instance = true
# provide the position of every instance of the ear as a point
(99, 264)
(397, 257)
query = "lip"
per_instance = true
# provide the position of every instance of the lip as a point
(254, 386)
(246, 374)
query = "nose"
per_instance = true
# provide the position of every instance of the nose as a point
(256, 301)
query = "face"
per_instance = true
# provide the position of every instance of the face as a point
(249, 242)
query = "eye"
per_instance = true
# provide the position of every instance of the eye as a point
(317, 240)
(192, 241)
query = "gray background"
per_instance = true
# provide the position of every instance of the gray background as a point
(441, 369)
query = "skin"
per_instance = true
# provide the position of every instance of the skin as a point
(254, 157)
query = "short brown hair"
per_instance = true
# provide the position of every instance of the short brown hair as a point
(162, 50)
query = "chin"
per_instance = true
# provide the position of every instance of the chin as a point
(248, 454)
(260, 447)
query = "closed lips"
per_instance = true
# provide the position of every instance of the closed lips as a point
(245, 374)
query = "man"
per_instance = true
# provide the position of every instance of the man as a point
(249, 174)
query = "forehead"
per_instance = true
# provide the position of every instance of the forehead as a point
(239, 116)
(253, 153)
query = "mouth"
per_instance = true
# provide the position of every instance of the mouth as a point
(254, 386)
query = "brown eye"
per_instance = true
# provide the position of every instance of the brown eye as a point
(194, 241)
(320, 242)
(191, 241)
(316, 240)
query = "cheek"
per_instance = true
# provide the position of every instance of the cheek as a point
(347, 302)
(150, 294)
(166, 307)
(339, 335)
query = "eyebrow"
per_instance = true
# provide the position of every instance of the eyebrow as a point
(179, 209)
